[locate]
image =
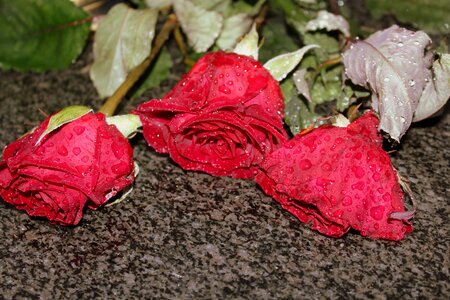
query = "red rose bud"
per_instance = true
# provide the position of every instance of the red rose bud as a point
(222, 118)
(338, 178)
(53, 172)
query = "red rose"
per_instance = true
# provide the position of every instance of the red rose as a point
(222, 118)
(338, 178)
(83, 162)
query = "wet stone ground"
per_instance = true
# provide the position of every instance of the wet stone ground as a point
(190, 235)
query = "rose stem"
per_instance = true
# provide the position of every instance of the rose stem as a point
(112, 102)
(261, 17)
(182, 46)
(328, 63)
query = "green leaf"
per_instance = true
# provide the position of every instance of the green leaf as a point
(158, 73)
(234, 27)
(327, 86)
(249, 44)
(328, 44)
(64, 116)
(283, 64)
(41, 35)
(201, 26)
(128, 125)
(157, 4)
(276, 40)
(123, 40)
(297, 114)
(431, 16)
(297, 14)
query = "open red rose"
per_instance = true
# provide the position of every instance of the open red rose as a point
(338, 178)
(84, 162)
(222, 118)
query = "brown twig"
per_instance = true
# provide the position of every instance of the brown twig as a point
(109, 107)
(182, 46)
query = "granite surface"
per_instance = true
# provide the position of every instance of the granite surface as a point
(188, 235)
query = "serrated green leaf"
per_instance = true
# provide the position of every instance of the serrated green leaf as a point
(234, 27)
(220, 6)
(283, 64)
(431, 16)
(123, 40)
(41, 35)
(276, 40)
(328, 45)
(201, 26)
(297, 114)
(243, 7)
(157, 4)
(297, 14)
(327, 86)
(158, 73)
(64, 116)
(249, 44)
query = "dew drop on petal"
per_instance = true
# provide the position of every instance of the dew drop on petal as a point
(224, 89)
(76, 150)
(347, 200)
(119, 168)
(326, 167)
(62, 150)
(117, 150)
(376, 176)
(305, 164)
(79, 129)
(387, 197)
(377, 212)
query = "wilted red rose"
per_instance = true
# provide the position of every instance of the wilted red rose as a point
(338, 178)
(222, 118)
(84, 162)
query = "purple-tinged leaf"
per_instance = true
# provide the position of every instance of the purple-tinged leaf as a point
(393, 65)
(437, 89)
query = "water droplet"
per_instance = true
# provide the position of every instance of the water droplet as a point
(40, 151)
(76, 150)
(347, 201)
(79, 129)
(412, 82)
(386, 79)
(377, 212)
(326, 167)
(376, 176)
(224, 89)
(358, 186)
(387, 197)
(117, 150)
(305, 164)
(119, 168)
(62, 150)
(338, 213)
(358, 171)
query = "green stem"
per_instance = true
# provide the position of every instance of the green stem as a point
(111, 104)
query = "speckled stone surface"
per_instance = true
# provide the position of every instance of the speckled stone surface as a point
(184, 235)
